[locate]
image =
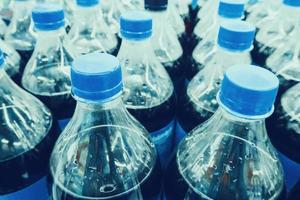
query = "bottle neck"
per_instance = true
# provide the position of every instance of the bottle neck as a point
(114, 102)
(159, 19)
(137, 48)
(86, 16)
(53, 37)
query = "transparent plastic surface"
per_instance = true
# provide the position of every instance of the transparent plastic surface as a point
(146, 82)
(275, 30)
(27, 135)
(284, 125)
(230, 158)
(90, 33)
(3, 28)
(20, 30)
(112, 10)
(203, 89)
(208, 16)
(208, 9)
(12, 59)
(259, 11)
(207, 47)
(103, 153)
(47, 74)
(175, 19)
(164, 40)
(182, 7)
(285, 61)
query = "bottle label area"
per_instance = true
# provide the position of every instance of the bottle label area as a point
(163, 140)
(179, 133)
(291, 171)
(63, 123)
(36, 191)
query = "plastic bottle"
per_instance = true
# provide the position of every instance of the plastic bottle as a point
(13, 60)
(20, 33)
(177, 22)
(165, 42)
(234, 41)
(275, 31)
(27, 135)
(228, 10)
(103, 153)
(148, 90)
(230, 157)
(285, 61)
(257, 11)
(284, 129)
(89, 32)
(47, 74)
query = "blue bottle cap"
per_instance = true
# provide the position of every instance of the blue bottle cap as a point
(136, 25)
(231, 8)
(87, 3)
(48, 16)
(249, 90)
(1, 58)
(156, 5)
(96, 77)
(236, 36)
(294, 3)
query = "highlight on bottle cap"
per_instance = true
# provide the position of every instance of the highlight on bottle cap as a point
(249, 90)
(136, 25)
(294, 3)
(47, 16)
(87, 3)
(96, 76)
(231, 8)
(236, 35)
(1, 58)
(156, 5)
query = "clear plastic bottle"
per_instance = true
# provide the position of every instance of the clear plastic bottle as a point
(20, 33)
(27, 136)
(285, 61)
(165, 42)
(89, 32)
(3, 28)
(148, 90)
(5, 11)
(284, 129)
(205, 49)
(199, 103)
(230, 157)
(47, 74)
(276, 30)
(257, 11)
(176, 22)
(13, 61)
(103, 153)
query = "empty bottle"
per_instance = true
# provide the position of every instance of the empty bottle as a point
(284, 130)
(259, 11)
(285, 61)
(47, 74)
(89, 32)
(177, 22)
(199, 103)
(20, 33)
(227, 11)
(148, 90)
(276, 30)
(103, 153)
(12, 60)
(27, 136)
(165, 42)
(230, 157)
